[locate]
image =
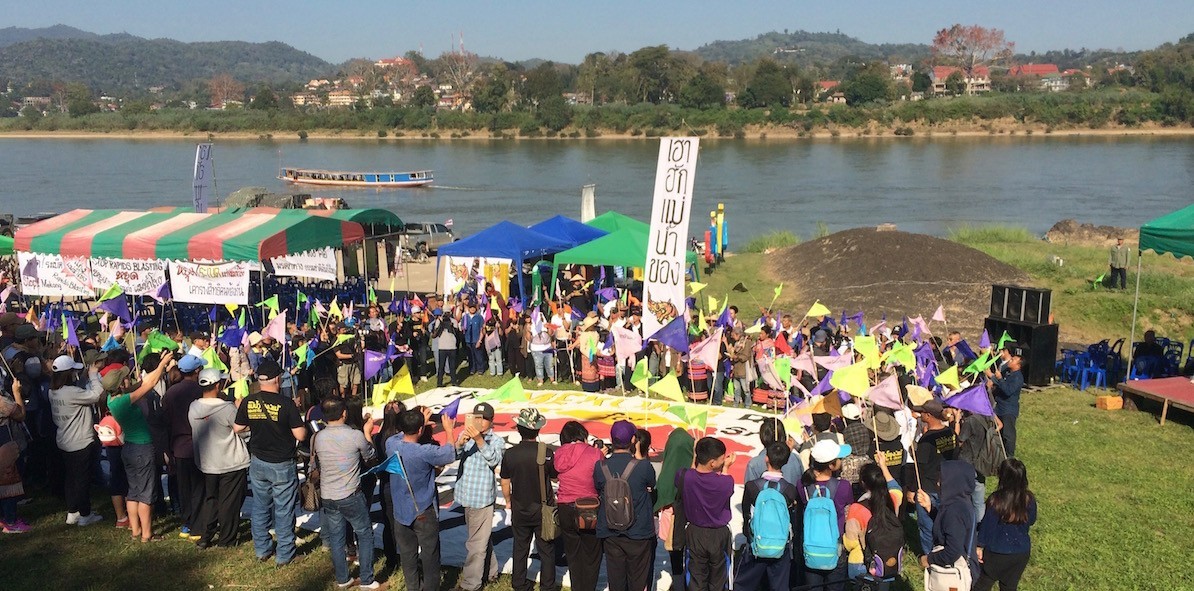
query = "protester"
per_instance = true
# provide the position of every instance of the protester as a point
(73, 418)
(222, 458)
(527, 470)
(625, 521)
(773, 569)
(276, 427)
(339, 450)
(677, 456)
(819, 484)
(574, 461)
(706, 491)
(937, 444)
(773, 431)
(1006, 386)
(176, 405)
(952, 542)
(446, 336)
(12, 413)
(480, 451)
(138, 453)
(1004, 546)
(873, 528)
(416, 500)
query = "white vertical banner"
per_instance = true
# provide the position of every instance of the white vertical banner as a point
(667, 241)
(204, 177)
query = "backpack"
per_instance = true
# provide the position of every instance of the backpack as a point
(770, 523)
(987, 453)
(822, 547)
(619, 500)
(884, 545)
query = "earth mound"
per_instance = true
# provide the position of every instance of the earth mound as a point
(1074, 233)
(897, 273)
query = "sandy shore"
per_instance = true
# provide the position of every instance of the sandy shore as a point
(996, 129)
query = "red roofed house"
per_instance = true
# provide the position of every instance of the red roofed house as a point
(980, 82)
(1041, 70)
(825, 91)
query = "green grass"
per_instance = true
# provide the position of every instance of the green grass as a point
(771, 241)
(1114, 488)
(988, 234)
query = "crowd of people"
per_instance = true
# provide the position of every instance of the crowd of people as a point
(823, 506)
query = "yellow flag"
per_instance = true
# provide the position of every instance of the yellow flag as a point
(755, 329)
(829, 404)
(231, 308)
(852, 379)
(213, 360)
(694, 287)
(869, 349)
(380, 394)
(240, 388)
(712, 303)
(668, 387)
(334, 309)
(818, 309)
(401, 383)
(949, 377)
(793, 427)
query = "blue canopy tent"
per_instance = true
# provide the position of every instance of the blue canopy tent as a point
(568, 230)
(504, 240)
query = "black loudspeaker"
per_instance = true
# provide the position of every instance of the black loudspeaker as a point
(1040, 340)
(1021, 304)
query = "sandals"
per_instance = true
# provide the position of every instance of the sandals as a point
(153, 538)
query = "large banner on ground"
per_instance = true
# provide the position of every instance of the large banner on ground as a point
(313, 264)
(134, 276)
(210, 283)
(54, 275)
(475, 272)
(667, 242)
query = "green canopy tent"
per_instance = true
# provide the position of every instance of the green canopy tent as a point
(5, 245)
(612, 221)
(625, 247)
(1172, 233)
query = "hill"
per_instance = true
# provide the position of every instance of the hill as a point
(13, 35)
(122, 62)
(806, 49)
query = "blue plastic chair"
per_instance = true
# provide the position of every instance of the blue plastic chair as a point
(1094, 369)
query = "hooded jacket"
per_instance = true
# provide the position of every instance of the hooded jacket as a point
(954, 524)
(574, 462)
(218, 450)
(677, 455)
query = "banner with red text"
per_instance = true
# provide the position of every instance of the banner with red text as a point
(210, 283)
(134, 276)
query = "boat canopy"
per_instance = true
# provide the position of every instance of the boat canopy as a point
(175, 235)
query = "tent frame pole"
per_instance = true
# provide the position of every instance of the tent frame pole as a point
(1135, 306)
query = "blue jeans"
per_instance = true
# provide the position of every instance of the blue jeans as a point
(275, 490)
(924, 524)
(333, 516)
(495, 362)
(544, 364)
(979, 499)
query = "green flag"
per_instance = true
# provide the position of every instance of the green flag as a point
(313, 317)
(272, 302)
(301, 355)
(668, 387)
(1003, 339)
(299, 298)
(983, 362)
(155, 343)
(783, 367)
(340, 339)
(112, 292)
(511, 391)
(372, 295)
(213, 360)
(641, 377)
(241, 320)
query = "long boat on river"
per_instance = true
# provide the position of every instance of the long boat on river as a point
(341, 178)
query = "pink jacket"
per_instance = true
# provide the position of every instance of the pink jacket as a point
(575, 462)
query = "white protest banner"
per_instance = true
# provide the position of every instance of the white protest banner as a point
(134, 276)
(204, 177)
(313, 264)
(461, 272)
(667, 241)
(210, 283)
(54, 275)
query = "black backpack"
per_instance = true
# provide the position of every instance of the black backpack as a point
(986, 453)
(619, 499)
(884, 545)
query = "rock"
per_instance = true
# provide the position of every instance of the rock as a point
(1071, 232)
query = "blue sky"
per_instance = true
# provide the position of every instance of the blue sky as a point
(566, 31)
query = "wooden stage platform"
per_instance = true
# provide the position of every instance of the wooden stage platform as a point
(1176, 391)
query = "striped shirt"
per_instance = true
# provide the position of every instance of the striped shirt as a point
(476, 484)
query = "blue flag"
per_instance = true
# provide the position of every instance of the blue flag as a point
(673, 334)
(452, 408)
(964, 349)
(823, 386)
(111, 344)
(211, 316)
(393, 465)
(232, 337)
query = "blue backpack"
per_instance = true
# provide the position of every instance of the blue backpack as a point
(822, 549)
(770, 523)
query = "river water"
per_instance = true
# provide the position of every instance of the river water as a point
(920, 184)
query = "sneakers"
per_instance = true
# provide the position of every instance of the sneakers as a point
(122, 523)
(87, 520)
(346, 584)
(373, 585)
(17, 527)
(72, 518)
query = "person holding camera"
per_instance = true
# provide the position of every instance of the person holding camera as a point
(480, 451)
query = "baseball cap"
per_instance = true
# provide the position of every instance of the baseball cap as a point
(531, 419)
(268, 369)
(66, 363)
(851, 411)
(820, 336)
(826, 451)
(933, 407)
(210, 376)
(484, 410)
(27, 331)
(190, 364)
(622, 432)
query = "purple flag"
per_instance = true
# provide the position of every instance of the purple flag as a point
(822, 386)
(72, 338)
(162, 292)
(798, 343)
(984, 342)
(857, 318)
(578, 314)
(395, 307)
(924, 354)
(452, 408)
(211, 316)
(391, 351)
(373, 363)
(232, 337)
(844, 318)
(515, 305)
(30, 269)
(608, 294)
(117, 306)
(724, 320)
(974, 399)
(964, 349)
(673, 334)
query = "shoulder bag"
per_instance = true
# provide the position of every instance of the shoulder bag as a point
(550, 519)
(955, 576)
(309, 489)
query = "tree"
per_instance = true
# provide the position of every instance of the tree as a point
(554, 113)
(921, 82)
(542, 83)
(265, 100)
(970, 47)
(868, 85)
(702, 92)
(768, 88)
(490, 96)
(78, 100)
(423, 97)
(456, 68)
(224, 88)
(955, 83)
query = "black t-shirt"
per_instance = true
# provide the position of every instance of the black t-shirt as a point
(176, 405)
(271, 417)
(520, 467)
(933, 448)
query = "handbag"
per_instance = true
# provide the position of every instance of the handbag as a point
(550, 529)
(955, 577)
(586, 512)
(309, 489)
(672, 521)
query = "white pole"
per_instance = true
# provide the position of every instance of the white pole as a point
(1135, 304)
